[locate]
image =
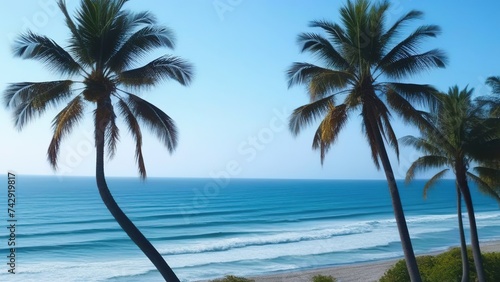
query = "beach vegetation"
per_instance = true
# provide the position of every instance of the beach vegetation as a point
(445, 267)
(461, 137)
(399, 272)
(232, 278)
(363, 63)
(101, 80)
(323, 278)
(448, 266)
(491, 262)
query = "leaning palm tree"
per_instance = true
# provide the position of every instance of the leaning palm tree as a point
(357, 57)
(460, 134)
(99, 63)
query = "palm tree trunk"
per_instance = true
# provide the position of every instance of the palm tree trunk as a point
(463, 245)
(411, 261)
(476, 251)
(120, 217)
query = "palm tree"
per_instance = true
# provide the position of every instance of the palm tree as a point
(106, 42)
(356, 58)
(460, 134)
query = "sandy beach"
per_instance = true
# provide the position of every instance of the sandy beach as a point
(371, 271)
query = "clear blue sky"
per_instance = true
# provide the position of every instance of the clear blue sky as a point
(233, 117)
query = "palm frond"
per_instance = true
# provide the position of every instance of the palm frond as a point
(305, 115)
(62, 125)
(44, 49)
(141, 18)
(77, 45)
(159, 122)
(323, 49)
(305, 73)
(489, 174)
(354, 16)
(485, 187)
(405, 109)
(335, 31)
(431, 182)
(421, 144)
(100, 24)
(413, 64)
(163, 68)
(130, 36)
(494, 83)
(106, 132)
(135, 130)
(409, 46)
(482, 127)
(482, 149)
(373, 50)
(139, 43)
(326, 83)
(32, 98)
(329, 129)
(319, 143)
(420, 94)
(112, 134)
(424, 163)
(394, 30)
(489, 104)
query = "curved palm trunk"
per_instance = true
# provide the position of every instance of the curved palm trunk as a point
(120, 217)
(476, 251)
(411, 261)
(463, 245)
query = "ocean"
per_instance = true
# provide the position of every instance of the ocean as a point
(209, 228)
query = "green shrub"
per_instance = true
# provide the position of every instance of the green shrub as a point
(425, 264)
(448, 266)
(445, 267)
(323, 278)
(231, 278)
(397, 273)
(491, 262)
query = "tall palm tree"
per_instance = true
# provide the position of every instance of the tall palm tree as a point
(356, 58)
(460, 134)
(106, 42)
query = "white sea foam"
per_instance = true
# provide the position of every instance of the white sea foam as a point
(218, 245)
(202, 254)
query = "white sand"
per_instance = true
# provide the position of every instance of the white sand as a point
(354, 272)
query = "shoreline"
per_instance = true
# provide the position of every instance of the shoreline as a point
(362, 271)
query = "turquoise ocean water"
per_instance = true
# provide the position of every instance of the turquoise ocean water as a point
(208, 228)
